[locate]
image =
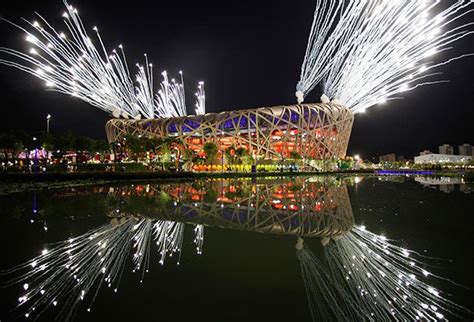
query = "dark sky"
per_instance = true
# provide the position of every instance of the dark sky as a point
(248, 52)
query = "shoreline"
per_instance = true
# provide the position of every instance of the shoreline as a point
(133, 176)
(162, 175)
(24, 182)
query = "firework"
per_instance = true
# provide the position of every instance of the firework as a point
(70, 63)
(200, 100)
(368, 52)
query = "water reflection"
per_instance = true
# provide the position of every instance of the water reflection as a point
(445, 184)
(364, 276)
(307, 208)
(360, 275)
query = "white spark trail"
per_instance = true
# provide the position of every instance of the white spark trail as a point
(169, 238)
(377, 280)
(170, 98)
(70, 63)
(366, 52)
(199, 238)
(200, 99)
(66, 272)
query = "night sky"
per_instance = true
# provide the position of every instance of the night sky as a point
(248, 52)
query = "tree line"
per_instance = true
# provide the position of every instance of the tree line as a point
(19, 140)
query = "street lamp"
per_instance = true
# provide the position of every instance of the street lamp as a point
(48, 118)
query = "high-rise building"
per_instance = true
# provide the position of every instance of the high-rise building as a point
(446, 149)
(465, 149)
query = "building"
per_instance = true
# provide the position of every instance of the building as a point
(388, 158)
(401, 158)
(313, 131)
(465, 149)
(442, 158)
(446, 149)
(425, 152)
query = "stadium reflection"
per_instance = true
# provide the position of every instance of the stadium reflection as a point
(312, 207)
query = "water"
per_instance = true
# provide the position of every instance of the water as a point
(232, 250)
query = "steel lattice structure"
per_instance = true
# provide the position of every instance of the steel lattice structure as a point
(308, 209)
(317, 131)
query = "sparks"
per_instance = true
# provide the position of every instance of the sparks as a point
(367, 52)
(200, 99)
(77, 66)
(359, 279)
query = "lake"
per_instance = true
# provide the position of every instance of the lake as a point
(262, 249)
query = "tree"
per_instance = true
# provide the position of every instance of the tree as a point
(164, 150)
(134, 145)
(188, 155)
(230, 155)
(82, 143)
(295, 155)
(210, 196)
(240, 154)
(18, 147)
(210, 149)
(47, 141)
(65, 142)
(152, 144)
(101, 146)
(15, 140)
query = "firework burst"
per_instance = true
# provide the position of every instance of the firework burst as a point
(367, 52)
(70, 63)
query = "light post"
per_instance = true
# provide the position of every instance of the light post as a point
(357, 161)
(48, 118)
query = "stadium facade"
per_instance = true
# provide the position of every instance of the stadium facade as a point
(313, 131)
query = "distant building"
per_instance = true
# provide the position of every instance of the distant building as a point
(446, 149)
(401, 158)
(465, 149)
(442, 158)
(425, 152)
(388, 158)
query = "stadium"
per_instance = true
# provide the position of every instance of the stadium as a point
(312, 131)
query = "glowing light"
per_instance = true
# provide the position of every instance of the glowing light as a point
(200, 99)
(67, 260)
(100, 79)
(362, 52)
(357, 278)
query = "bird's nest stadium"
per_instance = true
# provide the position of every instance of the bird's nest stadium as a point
(313, 131)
